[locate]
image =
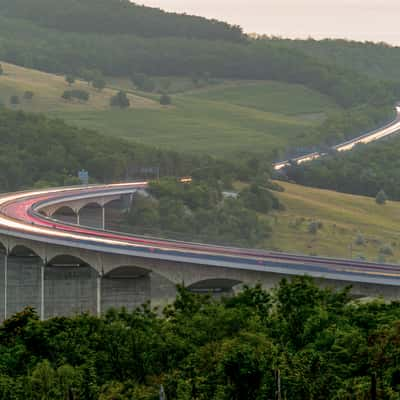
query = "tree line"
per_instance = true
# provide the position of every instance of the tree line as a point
(39, 151)
(118, 17)
(296, 342)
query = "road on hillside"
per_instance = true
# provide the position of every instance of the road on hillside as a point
(380, 133)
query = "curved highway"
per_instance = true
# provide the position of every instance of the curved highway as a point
(20, 217)
(369, 137)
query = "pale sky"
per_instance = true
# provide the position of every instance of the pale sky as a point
(374, 20)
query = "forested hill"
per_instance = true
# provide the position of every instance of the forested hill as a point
(377, 60)
(37, 151)
(117, 17)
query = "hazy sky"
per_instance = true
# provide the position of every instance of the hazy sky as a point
(375, 20)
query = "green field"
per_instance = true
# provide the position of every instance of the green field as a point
(223, 118)
(344, 217)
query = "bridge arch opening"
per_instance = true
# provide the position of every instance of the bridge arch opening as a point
(130, 286)
(91, 214)
(112, 213)
(24, 252)
(216, 286)
(70, 286)
(66, 214)
(21, 280)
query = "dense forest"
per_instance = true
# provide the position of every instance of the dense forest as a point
(365, 170)
(118, 16)
(297, 342)
(377, 60)
(200, 212)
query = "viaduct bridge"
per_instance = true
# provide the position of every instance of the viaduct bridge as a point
(64, 267)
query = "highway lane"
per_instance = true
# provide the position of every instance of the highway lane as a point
(19, 217)
(387, 130)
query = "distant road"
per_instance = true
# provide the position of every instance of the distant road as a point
(369, 137)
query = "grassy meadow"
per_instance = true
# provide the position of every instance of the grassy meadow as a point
(345, 220)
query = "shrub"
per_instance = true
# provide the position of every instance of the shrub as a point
(70, 79)
(386, 250)
(120, 100)
(165, 100)
(28, 95)
(76, 94)
(14, 100)
(381, 197)
(360, 241)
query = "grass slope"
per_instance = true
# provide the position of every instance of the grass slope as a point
(48, 89)
(343, 216)
(223, 119)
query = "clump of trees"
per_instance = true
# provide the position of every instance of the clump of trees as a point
(200, 212)
(77, 94)
(296, 342)
(120, 100)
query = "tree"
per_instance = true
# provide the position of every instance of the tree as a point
(165, 100)
(1, 70)
(99, 84)
(28, 95)
(14, 100)
(120, 100)
(70, 79)
(381, 197)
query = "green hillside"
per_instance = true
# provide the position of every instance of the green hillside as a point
(266, 116)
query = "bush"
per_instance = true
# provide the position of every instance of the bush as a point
(99, 84)
(70, 79)
(360, 241)
(143, 82)
(14, 100)
(28, 95)
(165, 100)
(120, 100)
(381, 197)
(314, 226)
(76, 94)
(386, 250)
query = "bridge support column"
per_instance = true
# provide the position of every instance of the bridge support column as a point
(5, 283)
(103, 218)
(78, 218)
(42, 271)
(98, 295)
